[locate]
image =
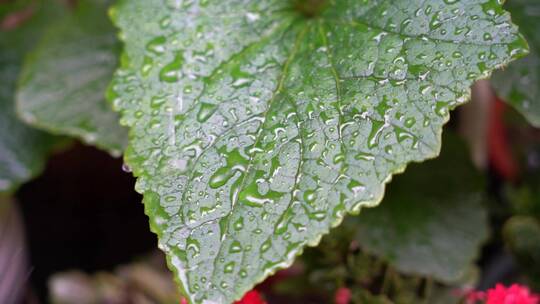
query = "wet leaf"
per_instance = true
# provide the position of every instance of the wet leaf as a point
(255, 127)
(519, 83)
(64, 79)
(22, 149)
(431, 221)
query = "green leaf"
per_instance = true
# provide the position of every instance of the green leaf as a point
(254, 128)
(522, 237)
(519, 83)
(64, 79)
(431, 221)
(23, 150)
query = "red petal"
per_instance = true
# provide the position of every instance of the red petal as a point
(500, 153)
(251, 297)
(515, 294)
(343, 296)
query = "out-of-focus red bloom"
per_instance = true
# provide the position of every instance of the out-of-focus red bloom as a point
(473, 296)
(15, 19)
(515, 294)
(251, 297)
(500, 153)
(343, 296)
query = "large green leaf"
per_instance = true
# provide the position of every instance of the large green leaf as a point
(64, 79)
(431, 221)
(254, 128)
(22, 150)
(519, 84)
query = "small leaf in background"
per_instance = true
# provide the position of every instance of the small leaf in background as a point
(23, 150)
(522, 236)
(427, 228)
(519, 83)
(64, 78)
(255, 126)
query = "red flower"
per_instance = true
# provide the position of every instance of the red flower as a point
(515, 294)
(500, 152)
(343, 296)
(251, 297)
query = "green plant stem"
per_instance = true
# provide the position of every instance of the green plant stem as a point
(388, 274)
(428, 289)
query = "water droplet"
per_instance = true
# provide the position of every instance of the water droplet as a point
(235, 247)
(171, 72)
(229, 267)
(126, 168)
(376, 129)
(239, 224)
(206, 110)
(266, 245)
(193, 246)
(157, 45)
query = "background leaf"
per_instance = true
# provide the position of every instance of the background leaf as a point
(64, 79)
(522, 237)
(255, 128)
(23, 150)
(431, 221)
(519, 83)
